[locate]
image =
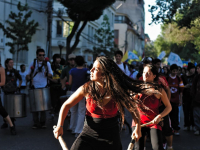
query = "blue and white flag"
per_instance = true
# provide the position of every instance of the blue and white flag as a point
(175, 59)
(162, 55)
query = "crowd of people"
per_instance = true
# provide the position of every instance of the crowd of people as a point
(102, 95)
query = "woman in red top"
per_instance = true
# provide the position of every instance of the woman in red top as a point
(107, 93)
(151, 112)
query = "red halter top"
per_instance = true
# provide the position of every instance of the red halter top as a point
(108, 111)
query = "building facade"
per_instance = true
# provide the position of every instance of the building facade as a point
(39, 39)
(129, 25)
(61, 28)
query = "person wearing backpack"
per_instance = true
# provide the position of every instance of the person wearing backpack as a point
(176, 87)
(10, 87)
(38, 73)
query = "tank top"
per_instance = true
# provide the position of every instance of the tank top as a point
(146, 116)
(109, 110)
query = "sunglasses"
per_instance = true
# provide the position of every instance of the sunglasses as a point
(41, 55)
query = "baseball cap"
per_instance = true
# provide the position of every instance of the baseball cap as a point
(71, 56)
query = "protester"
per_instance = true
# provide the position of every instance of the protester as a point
(10, 87)
(65, 72)
(107, 93)
(38, 72)
(151, 113)
(78, 77)
(23, 74)
(166, 71)
(3, 112)
(55, 84)
(187, 101)
(176, 86)
(133, 72)
(121, 65)
(195, 92)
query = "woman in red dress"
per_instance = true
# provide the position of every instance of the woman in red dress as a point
(107, 93)
(149, 110)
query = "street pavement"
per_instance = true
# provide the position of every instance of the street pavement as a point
(43, 139)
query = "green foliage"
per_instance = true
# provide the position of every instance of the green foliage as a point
(183, 12)
(105, 39)
(150, 50)
(19, 29)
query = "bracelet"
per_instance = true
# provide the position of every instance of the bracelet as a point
(60, 126)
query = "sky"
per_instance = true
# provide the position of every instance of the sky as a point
(152, 30)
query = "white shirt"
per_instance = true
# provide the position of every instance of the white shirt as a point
(126, 70)
(40, 80)
(23, 75)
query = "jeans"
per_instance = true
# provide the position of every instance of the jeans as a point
(77, 117)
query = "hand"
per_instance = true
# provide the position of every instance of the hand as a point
(136, 135)
(58, 131)
(157, 119)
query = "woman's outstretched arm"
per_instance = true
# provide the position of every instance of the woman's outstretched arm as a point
(73, 100)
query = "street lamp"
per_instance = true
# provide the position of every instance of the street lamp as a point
(60, 45)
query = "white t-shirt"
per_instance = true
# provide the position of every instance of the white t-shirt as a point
(40, 80)
(23, 75)
(126, 70)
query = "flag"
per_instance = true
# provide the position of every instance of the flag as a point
(175, 59)
(162, 55)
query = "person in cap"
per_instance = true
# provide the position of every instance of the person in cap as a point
(187, 97)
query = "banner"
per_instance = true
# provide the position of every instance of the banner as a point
(129, 55)
(175, 59)
(162, 55)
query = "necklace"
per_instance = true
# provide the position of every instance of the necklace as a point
(101, 97)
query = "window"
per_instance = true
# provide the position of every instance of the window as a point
(89, 32)
(22, 57)
(59, 28)
(116, 36)
(67, 29)
(92, 35)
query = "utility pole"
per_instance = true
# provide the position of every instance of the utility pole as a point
(49, 21)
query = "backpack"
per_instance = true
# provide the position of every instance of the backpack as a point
(11, 78)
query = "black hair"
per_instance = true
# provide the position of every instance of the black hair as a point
(118, 52)
(39, 50)
(174, 66)
(7, 61)
(198, 65)
(79, 60)
(147, 60)
(55, 56)
(21, 66)
(156, 60)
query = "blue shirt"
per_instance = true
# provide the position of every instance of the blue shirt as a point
(79, 77)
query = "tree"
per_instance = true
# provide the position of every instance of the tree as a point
(105, 38)
(150, 50)
(183, 12)
(82, 11)
(19, 29)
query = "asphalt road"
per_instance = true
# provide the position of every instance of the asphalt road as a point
(43, 139)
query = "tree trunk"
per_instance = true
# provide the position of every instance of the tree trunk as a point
(69, 38)
(17, 56)
(77, 37)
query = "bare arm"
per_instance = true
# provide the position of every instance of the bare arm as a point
(3, 77)
(62, 81)
(167, 109)
(70, 79)
(73, 100)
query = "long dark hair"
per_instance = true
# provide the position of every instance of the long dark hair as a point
(119, 85)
